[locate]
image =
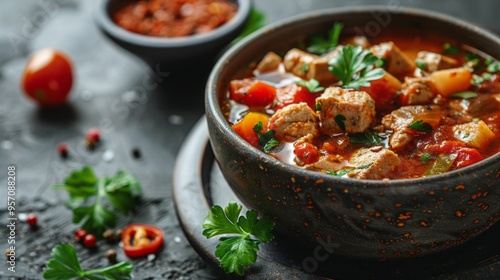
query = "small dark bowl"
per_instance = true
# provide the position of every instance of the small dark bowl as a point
(173, 53)
(366, 219)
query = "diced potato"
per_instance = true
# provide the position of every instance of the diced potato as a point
(450, 81)
(474, 134)
(270, 62)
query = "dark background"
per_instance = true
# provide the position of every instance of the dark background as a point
(114, 92)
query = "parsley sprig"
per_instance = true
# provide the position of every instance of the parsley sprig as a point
(239, 250)
(121, 191)
(313, 85)
(320, 45)
(365, 139)
(354, 67)
(421, 126)
(64, 264)
(267, 141)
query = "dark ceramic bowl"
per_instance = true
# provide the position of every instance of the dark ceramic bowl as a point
(171, 52)
(356, 218)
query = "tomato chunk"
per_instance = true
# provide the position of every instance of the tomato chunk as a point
(141, 240)
(294, 94)
(306, 152)
(252, 93)
(245, 127)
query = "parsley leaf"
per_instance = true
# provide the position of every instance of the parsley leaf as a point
(267, 141)
(425, 157)
(493, 67)
(365, 139)
(340, 119)
(312, 85)
(343, 172)
(320, 45)
(449, 49)
(421, 64)
(420, 125)
(238, 251)
(64, 264)
(352, 65)
(121, 191)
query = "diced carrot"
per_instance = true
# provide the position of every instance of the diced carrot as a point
(252, 93)
(450, 81)
(245, 128)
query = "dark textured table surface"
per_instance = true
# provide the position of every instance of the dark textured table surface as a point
(134, 110)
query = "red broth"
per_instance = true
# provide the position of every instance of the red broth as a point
(435, 109)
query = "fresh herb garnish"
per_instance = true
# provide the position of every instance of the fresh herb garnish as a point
(305, 68)
(476, 80)
(340, 119)
(120, 190)
(472, 60)
(352, 66)
(320, 45)
(421, 64)
(64, 264)
(343, 172)
(425, 157)
(365, 139)
(464, 95)
(449, 49)
(318, 106)
(267, 141)
(381, 63)
(420, 125)
(493, 67)
(238, 251)
(312, 85)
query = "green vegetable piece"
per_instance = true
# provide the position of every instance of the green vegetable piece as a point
(441, 165)
(64, 264)
(476, 80)
(449, 49)
(120, 190)
(420, 125)
(421, 64)
(464, 95)
(340, 119)
(238, 251)
(319, 45)
(365, 139)
(352, 66)
(267, 141)
(493, 67)
(312, 85)
(425, 157)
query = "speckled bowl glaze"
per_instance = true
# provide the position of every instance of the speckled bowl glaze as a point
(356, 218)
(171, 52)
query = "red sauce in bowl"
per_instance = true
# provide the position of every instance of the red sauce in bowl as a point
(174, 18)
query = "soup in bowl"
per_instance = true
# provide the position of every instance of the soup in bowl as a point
(385, 143)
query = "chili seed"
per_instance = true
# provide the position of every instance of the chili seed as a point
(118, 234)
(62, 149)
(109, 235)
(94, 135)
(32, 220)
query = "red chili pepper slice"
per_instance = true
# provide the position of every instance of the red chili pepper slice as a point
(141, 240)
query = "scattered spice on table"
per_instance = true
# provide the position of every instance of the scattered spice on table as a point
(174, 18)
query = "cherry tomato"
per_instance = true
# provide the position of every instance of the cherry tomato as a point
(48, 77)
(80, 235)
(141, 240)
(306, 152)
(89, 241)
(32, 220)
(252, 93)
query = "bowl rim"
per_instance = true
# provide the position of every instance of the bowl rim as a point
(105, 22)
(212, 102)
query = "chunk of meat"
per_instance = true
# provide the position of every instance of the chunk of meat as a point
(294, 121)
(400, 120)
(435, 61)
(398, 63)
(358, 41)
(372, 163)
(416, 91)
(356, 107)
(270, 62)
(309, 66)
(327, 162)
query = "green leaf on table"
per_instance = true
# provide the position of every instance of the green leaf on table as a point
(256, 20)
(88, 194)
(64, 264)
(239, 250)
